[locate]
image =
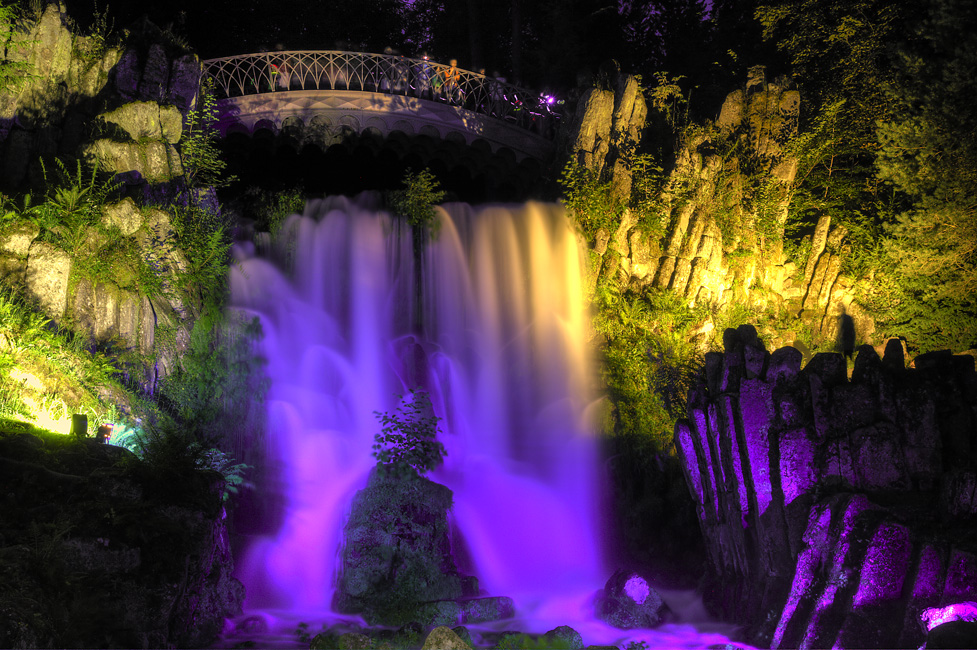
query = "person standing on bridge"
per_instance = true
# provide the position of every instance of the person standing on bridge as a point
(422, 77)
(450, 87)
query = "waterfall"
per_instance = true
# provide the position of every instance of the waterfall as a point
(502, 351)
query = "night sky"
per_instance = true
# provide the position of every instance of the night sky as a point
(540, 43)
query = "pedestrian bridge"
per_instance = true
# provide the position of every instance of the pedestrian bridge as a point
(323, 97)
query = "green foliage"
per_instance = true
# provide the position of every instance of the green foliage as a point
(13, 72)
(199, 152)
(928, 152)
(670, 101)
(647, 182)
(519, 641)
(416, 201)
(408, 438)
(170, 449)
(588, 200)
(648, 359)
(72, 375)
(101, 35)
(72, 205)
(203, 235)
(218, 375)
(270, 209)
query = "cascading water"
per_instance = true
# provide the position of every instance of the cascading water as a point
(496, 334)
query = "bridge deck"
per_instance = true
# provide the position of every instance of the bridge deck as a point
(268, 74)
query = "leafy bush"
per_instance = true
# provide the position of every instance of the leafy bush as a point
(270, 209)
(648, 359)
(203, 236)
(199, 152)
(169, 449)
(408, 440)
(588, 200)
(416, 201)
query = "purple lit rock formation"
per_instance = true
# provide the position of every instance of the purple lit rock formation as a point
(627, 601)
(397, 552)
(835, 511)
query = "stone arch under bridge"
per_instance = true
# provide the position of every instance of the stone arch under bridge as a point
(331, 98)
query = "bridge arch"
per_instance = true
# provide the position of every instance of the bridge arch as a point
(351, 92)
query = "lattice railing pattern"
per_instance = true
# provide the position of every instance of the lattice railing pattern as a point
(269, 72)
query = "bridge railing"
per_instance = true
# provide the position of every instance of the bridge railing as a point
(273, 72)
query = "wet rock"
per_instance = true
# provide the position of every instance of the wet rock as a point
(564, 637)
(464, 634)
(397, 552)
(354, 641)
(444, 638)
(628, 601)
(481, 610)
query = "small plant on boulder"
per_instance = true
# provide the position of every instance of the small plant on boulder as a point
(408, 440)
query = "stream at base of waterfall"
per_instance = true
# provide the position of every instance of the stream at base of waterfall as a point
(489, 316)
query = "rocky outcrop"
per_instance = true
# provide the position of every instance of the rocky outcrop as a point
(628, 601)
(723, 207)
(605, 130)
(141, 90)
(835, 511)
(114, 308)
(396, 558)
(98, 550)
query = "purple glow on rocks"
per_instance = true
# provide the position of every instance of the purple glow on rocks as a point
(885, 565)
(701, 429)
(839, 568)
(796, 464)
(961, 576)
(933, 616)
(929, 575)
(683, 440)
(808, 563)
(637, 589)
(741, 487)
(755, 405)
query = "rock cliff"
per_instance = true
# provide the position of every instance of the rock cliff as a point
(716, 233)
(64, 83)
(123, 109)
(835, 510)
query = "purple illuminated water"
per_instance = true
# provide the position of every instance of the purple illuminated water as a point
(503, 354)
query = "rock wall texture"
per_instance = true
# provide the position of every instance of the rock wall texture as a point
(722, 210)
(605, 129)
(122, 108)
(96, 551)
(397, 552)
(835, 510)
(66, 82)
(115, 311)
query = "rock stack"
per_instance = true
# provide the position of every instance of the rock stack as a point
(835, 510)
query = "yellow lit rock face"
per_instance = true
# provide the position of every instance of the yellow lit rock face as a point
(48, 269)
(26, 378)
